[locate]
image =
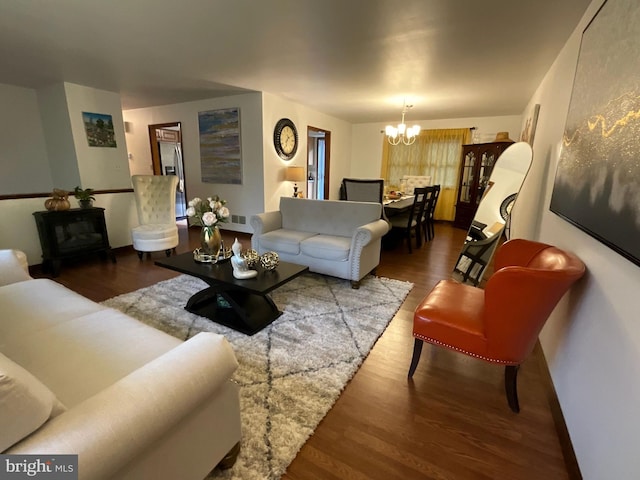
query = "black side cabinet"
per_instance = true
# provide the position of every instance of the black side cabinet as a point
(71, 233)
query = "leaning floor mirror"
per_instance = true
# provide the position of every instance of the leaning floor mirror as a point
(492, 217)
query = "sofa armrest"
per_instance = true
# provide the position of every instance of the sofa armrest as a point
(110, 429)
(368, 233)
(263, 223)
(13, 267)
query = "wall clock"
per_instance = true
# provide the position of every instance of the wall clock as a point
(285, 138)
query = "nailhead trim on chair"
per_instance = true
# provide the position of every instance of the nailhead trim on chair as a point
(492, 360)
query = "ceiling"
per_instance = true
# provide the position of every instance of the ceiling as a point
(352, 59)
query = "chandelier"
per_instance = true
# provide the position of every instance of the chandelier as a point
(401, 133)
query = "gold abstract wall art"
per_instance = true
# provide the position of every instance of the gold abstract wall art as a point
(597, 184)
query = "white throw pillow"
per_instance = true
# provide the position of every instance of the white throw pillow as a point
(25, 403)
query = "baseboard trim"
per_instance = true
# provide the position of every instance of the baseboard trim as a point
(569, 454)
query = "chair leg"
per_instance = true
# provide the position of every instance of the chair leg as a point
(417, 350)
(511, 386)
(167, 252)
(139, 255)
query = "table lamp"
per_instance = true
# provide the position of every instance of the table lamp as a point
(295, 174)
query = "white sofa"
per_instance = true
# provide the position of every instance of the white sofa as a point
(131, 401)
(331, 237)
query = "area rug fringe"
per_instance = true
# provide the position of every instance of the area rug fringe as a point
(292, 372)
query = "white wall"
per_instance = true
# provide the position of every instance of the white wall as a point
(275, 108)
(592, 341)
(61, 151)
(263, 170)
(59, 156)
(100, 168)
(245, 199)
(119, 217)
(23, 151)
(366, 152)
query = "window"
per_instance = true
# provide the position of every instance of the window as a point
(435, 153)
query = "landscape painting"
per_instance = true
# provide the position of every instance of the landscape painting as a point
(220, 155)
(597, 184)
(99, 129)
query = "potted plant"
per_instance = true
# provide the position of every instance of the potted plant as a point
(85, 197)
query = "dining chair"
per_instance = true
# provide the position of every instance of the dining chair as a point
(499, 324)
(155, 197)
(428, 228)
(410, 224)
(410, 182)
(363, 189)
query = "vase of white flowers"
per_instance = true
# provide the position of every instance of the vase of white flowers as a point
(208, 213)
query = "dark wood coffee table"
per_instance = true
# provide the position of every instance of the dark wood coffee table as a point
(239, 304)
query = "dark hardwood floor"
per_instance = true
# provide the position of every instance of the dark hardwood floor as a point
(451, 421)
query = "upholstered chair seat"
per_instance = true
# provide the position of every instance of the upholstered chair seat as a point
(500, 323)
(154, 231)
(156, 205)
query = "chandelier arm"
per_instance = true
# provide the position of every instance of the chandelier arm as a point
(404, 135)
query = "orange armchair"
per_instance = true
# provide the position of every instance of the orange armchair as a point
(501, 323)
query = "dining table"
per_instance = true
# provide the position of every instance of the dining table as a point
(393, 207)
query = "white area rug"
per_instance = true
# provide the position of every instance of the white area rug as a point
(293, 371)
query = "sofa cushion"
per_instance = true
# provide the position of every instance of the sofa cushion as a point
(92, 352)
(284, 241)
(327, 247)
(26, 403)
(39, 304)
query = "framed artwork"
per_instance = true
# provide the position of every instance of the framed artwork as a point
(220, 155)
(99, 129)
(597, 184)
(529, 130)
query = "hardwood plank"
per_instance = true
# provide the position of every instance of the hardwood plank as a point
(451, 421)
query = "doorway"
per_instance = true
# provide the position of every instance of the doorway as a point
(318, 162)
(166, 155)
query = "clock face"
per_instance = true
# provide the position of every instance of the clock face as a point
(285, 138)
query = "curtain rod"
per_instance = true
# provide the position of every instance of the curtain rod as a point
(470, 128)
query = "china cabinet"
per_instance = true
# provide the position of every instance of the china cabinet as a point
(477, 163)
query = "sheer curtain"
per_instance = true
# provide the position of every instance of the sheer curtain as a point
(435, 153)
